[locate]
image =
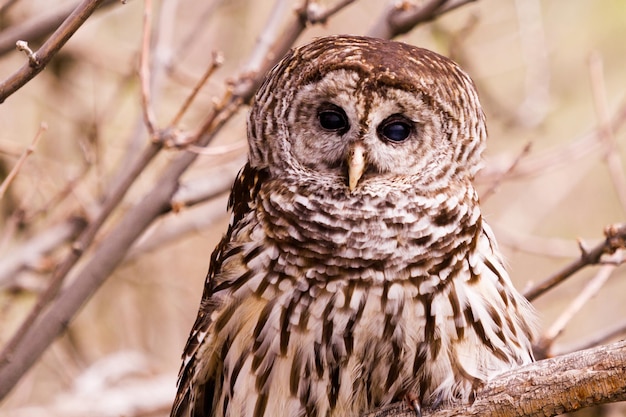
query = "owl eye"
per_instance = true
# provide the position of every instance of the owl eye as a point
(395, 128)
(333, 119)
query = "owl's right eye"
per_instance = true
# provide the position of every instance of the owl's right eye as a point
(333, 119)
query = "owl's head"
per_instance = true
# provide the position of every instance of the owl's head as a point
(354, 111)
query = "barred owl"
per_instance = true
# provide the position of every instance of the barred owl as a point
(357, 269)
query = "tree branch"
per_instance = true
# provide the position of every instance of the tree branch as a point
(36, 28)
(615, 240)
(545, 388)
(56, 41)
(401, 17)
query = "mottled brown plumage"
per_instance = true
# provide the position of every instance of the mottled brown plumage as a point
(357, 269)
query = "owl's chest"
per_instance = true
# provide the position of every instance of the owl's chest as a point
(330, 350)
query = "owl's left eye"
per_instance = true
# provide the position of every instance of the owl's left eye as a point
(395, 129)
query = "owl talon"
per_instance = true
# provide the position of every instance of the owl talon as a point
(415, 404)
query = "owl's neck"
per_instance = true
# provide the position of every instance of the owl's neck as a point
(391, 231)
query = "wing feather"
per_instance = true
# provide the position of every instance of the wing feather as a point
(195, 398)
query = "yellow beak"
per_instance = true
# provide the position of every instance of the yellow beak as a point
(356, 164)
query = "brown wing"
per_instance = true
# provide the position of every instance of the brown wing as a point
(193, 399)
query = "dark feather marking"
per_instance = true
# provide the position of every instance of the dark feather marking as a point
(348, 335)
(261, 404)
(265, 282)
(429, 328)
(304, 314)
(421, 355)
(327, 320)
(456, 312)
(383, 298)
(225, 404)
(397, 358)
(235, 284)
(261, 379)
(425, 382)
(258, 341)
(225, 316)
(253, 253)
(236, 369)
(333, 389)
(296, 373)
(285, 315)
(478, 327)
(319, 360)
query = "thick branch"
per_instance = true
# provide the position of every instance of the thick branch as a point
(545, 388)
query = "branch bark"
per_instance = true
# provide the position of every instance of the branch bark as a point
(56, 41)
(545, 388)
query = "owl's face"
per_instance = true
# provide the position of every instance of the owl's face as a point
(357, 112)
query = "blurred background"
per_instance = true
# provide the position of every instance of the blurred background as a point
(552, 78)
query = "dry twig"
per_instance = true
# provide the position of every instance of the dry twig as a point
(615, 240)
(20, 162)
(40, 59)
(543, 347)
(606, 135)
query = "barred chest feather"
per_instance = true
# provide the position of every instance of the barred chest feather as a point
(334, 310)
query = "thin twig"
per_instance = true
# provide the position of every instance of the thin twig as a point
(606, 336)
(144, 71)
(615, 240)
(216, 61)
(78, 249)
(20, 162)
(49, 49)
(543, 346)
(69, 186)
(606, 136)
(555, 158)
(401, 17)
(36, 28)
(498, 180)
(37, 247)
(536, 245)
(317, 14)
(534, 51)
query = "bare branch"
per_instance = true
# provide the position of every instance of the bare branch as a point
(606, 136)
(555, 158)
(38, 27)
(402, 16)
(615, 240)
(32, 251)
(49, 48)
(78, 249)
(144, 71)
(601, 338)
(498, 180)
(545, 388)
(543, 346)
(18, 165)
(216, 62)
